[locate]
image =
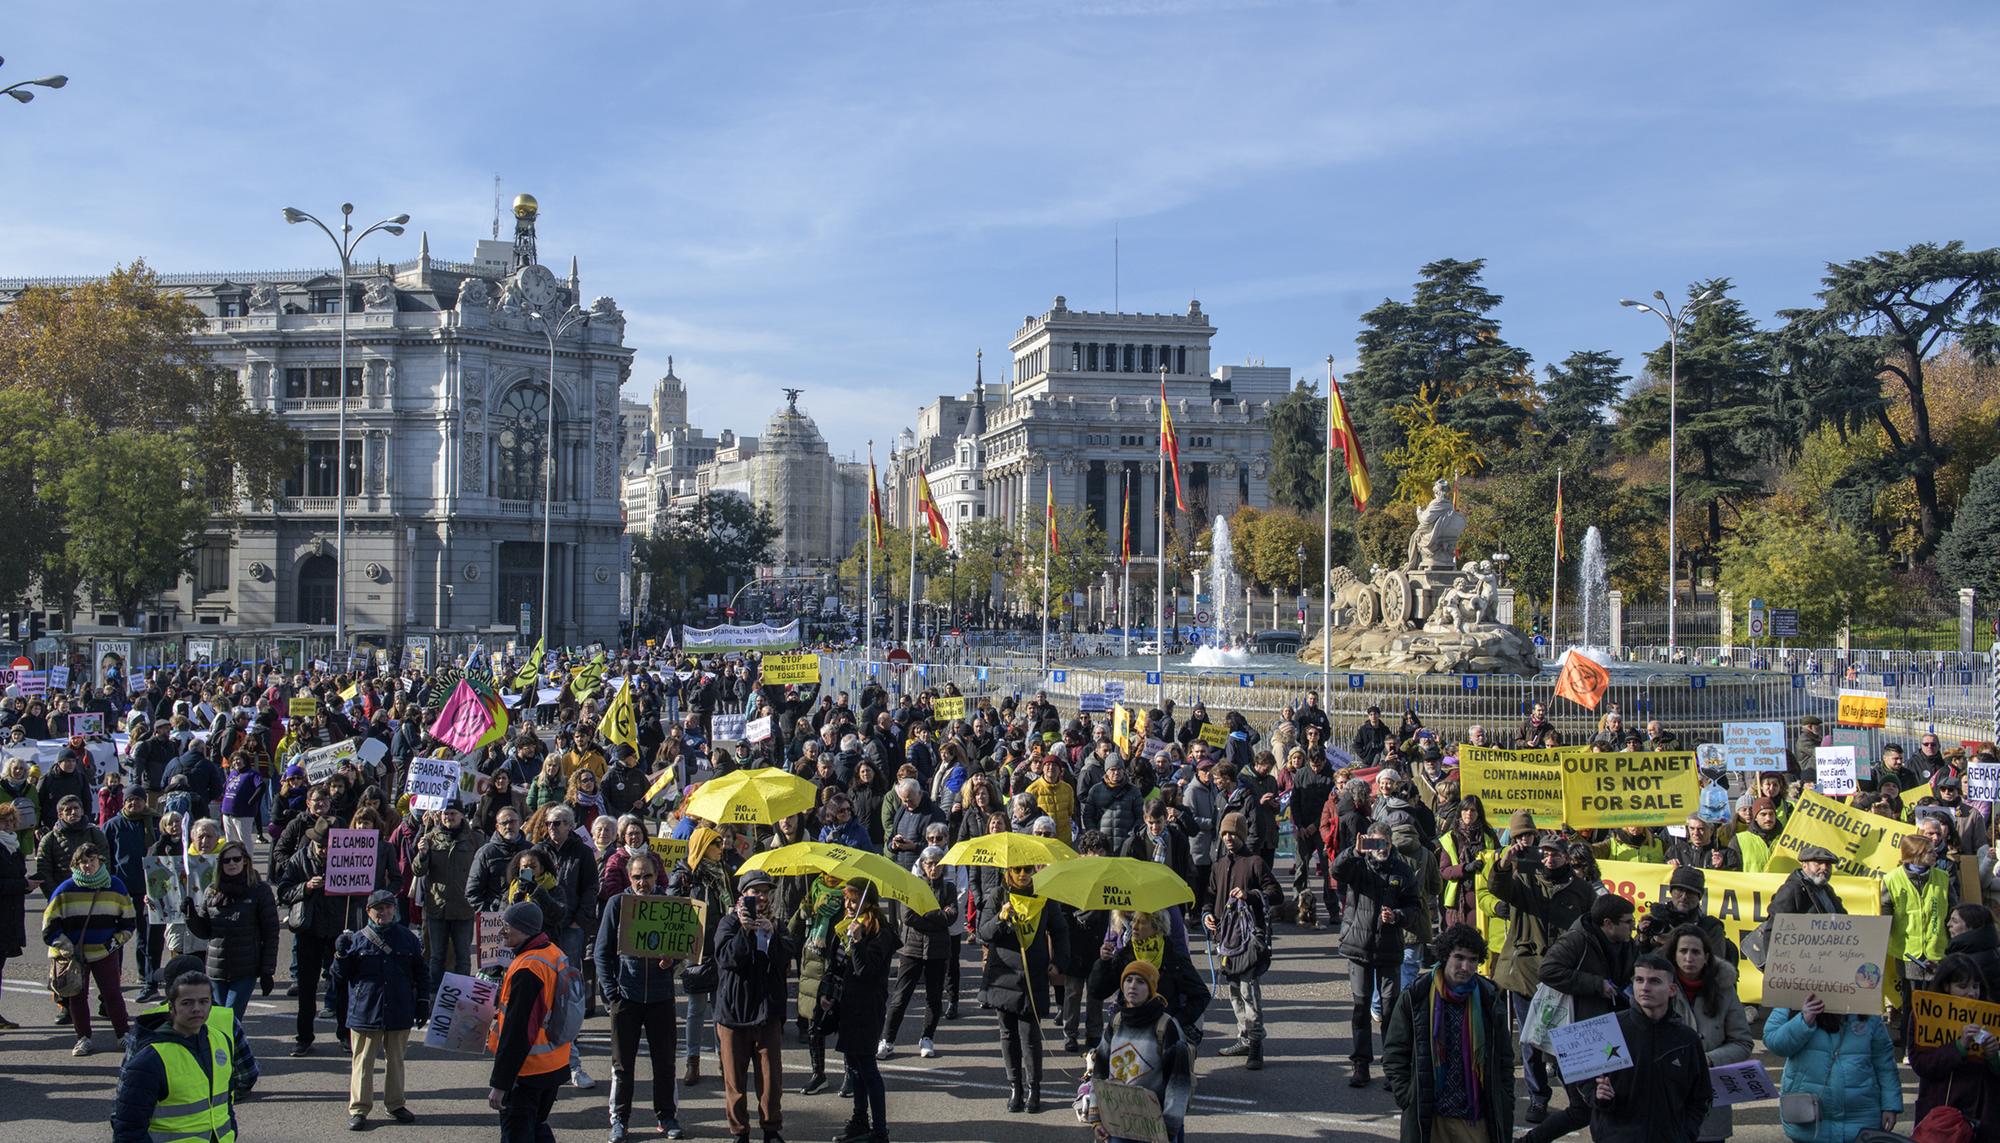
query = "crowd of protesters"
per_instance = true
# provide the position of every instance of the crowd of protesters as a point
(1448, 923)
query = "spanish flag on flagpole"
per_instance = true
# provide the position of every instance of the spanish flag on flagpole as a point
(1559, 515)
(1171, 445)
(1049, 498)
(1341, 435)
(940, 533)
(1125, 525)
(875, 529)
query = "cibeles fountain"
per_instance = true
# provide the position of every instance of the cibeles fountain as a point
(1222, 649)
(1433, 615)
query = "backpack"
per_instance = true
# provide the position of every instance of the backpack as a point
(1943, 1124)
(565, 1018)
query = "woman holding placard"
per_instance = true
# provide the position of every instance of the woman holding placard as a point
(1962, 1074)
(1705, 1000)
(1841, 1068)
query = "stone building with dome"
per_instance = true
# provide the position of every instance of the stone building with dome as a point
(447, 396)
(816, 501)
(1080, 411)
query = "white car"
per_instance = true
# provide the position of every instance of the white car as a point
(1149, 647)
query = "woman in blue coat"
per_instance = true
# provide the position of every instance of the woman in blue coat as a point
(1845, 1061)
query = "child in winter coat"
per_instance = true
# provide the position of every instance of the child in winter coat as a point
(1145, 1047)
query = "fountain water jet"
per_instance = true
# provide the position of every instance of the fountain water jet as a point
(1222, 648)
(1594, 589)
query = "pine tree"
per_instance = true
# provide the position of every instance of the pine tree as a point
(1579, 393)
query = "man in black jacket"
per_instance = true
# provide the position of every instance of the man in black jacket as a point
(1369, 737)
(1159, 841)
(1587, 963)
(1380, 891)
(1312, 785)
(751, 956)
(1665, 1094)
(1544, 897)
(1243, 896)
(576, 885)
(1448, 1096)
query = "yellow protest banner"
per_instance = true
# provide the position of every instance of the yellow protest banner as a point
(947, 708)
(662, 782)
(1940, 1017)
(1213, 734)
(1862, 708)
(1738, 900)
(780, 670)
(672, 850)
(1605, 791)
(1864, 843)
(1512, 780)
(1121, 729)
(1912, 796)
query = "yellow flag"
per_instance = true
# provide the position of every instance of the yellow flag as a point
(621, 719)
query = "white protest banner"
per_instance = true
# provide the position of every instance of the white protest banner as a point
(1746, 1082)
(1590, 1048)
(350, 862)
(1835, 957)
(726, 728)
(1982, 781)
(547, 696)
(461, 1014)
(1835, 766)
(759, 730)
(325, 762)
(433, 781)
(1753, 746)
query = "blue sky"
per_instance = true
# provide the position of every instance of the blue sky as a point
(852, 198)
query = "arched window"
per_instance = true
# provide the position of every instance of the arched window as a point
(520, 441)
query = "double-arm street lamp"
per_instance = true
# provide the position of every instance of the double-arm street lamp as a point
(20, 90)
(1676, 321)
(343, 245)
(553, 327)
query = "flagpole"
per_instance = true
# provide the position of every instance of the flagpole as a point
(1326, 558)
(1555, 573)
(1125, 559)
(910, 613)
(1160, 569)
(868, 632)
(1048, 507)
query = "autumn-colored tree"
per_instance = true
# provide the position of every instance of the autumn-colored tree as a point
(1431, 450)
(1828, 574)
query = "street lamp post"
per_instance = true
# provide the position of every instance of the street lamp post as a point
(553, 328)
(22, 95)
(1676, 321)
(344, 246)
(1302, 587)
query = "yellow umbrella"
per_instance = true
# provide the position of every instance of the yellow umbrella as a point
(752, 797)
(846, 863)
(1113, 883)
(1008, 850)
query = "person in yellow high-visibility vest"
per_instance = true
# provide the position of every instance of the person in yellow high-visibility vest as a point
(527, 1067)
(176, 1086)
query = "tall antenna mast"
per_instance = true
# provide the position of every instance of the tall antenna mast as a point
(496, 208)
(1114, 269)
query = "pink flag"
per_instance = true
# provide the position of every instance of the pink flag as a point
(463, 721)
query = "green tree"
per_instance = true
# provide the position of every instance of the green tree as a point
(713, 547)
(1969, 554)
(1879, 321)
(1829, 574)
(1446, 338)
(1727, 421)
(1577, 395)
(1512, 510)
(1272, 551)
(1298, 450)
(1073, 567)
(124, 540)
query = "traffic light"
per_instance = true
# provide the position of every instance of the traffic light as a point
(14, 625)
(34, 626)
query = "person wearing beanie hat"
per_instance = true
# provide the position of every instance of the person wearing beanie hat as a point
(1143, 1045)
(702, 875)
(1590, 963)
(524, 917)
(1545, 898)
(1682, 906)
(381, 969)
(1243, 898)
(528, 1070)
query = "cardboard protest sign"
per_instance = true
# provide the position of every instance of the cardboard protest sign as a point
(303, 706)
(1214, 734)
(665, 927)
(1746, 1082)
(1834, 766)
(92, 723)
(757, 730)
(326, 761)
(1753, 747)
(1836, 958)
(671, 850)
(1529, 780)
(1940, 1017)
(166, 894)
(58, 678)
(1605, 791)
(462, 1013)
(947, 708)
(32, 683)
(1865, 843)
(1092, 702)
(1128, 1111)
(1862, 708)
(433, 782)
(350, 862)
(781, 670)
(490, 951)
(1590, 1048)
(197, 874)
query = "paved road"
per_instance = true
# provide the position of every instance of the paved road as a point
(1301, 1093)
